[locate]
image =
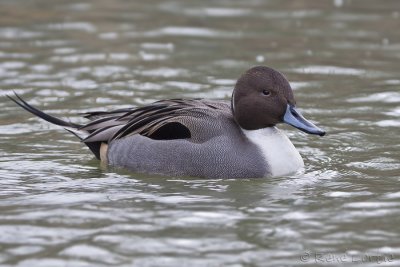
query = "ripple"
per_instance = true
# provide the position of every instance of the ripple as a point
(8, 74)
(388, 123)
(51, 43)
(79, 84)
(384, 97)
(12, 65)
(15, 128)
(163, 72)
(329, 70)
(217, 81)
(105, 71)
(120, 56)
(41, 68)
(51, 262)
(109, 35)
(64, 50)
(208, 218)
(296, 215)
(15, 33)
(186, 31)
(35, 235)
(394, 112)
(79, 58)
(354, 17)
(186, 85)
(217, 12)
(377, 164)
(81, 26)
(392, 195)
(390, 82)
(80, 7)
(91, 253)
(158, 46)
(16, 55)
(25, 250)
(371, 205)
(342, 194)
(300, 85)
(151, 56)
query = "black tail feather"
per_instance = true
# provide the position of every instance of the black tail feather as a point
(74, 133)
(23, 104)
(93, 146)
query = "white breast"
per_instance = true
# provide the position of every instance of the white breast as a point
(279, 153)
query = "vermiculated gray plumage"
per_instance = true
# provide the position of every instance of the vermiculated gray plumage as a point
(209, 152)
(206, 152)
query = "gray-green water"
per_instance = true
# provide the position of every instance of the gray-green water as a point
(59, 207)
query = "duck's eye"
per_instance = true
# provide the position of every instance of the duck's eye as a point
(266, 92)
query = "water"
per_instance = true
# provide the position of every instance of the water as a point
(60, 207)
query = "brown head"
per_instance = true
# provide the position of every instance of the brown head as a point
(263, 98)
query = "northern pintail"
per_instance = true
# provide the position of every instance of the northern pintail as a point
(198, 137)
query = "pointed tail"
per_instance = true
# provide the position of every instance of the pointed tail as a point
(23, 104)
(93, 146)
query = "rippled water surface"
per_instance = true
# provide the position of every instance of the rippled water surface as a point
(60, 207)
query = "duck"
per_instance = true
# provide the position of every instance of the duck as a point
(199, 137)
